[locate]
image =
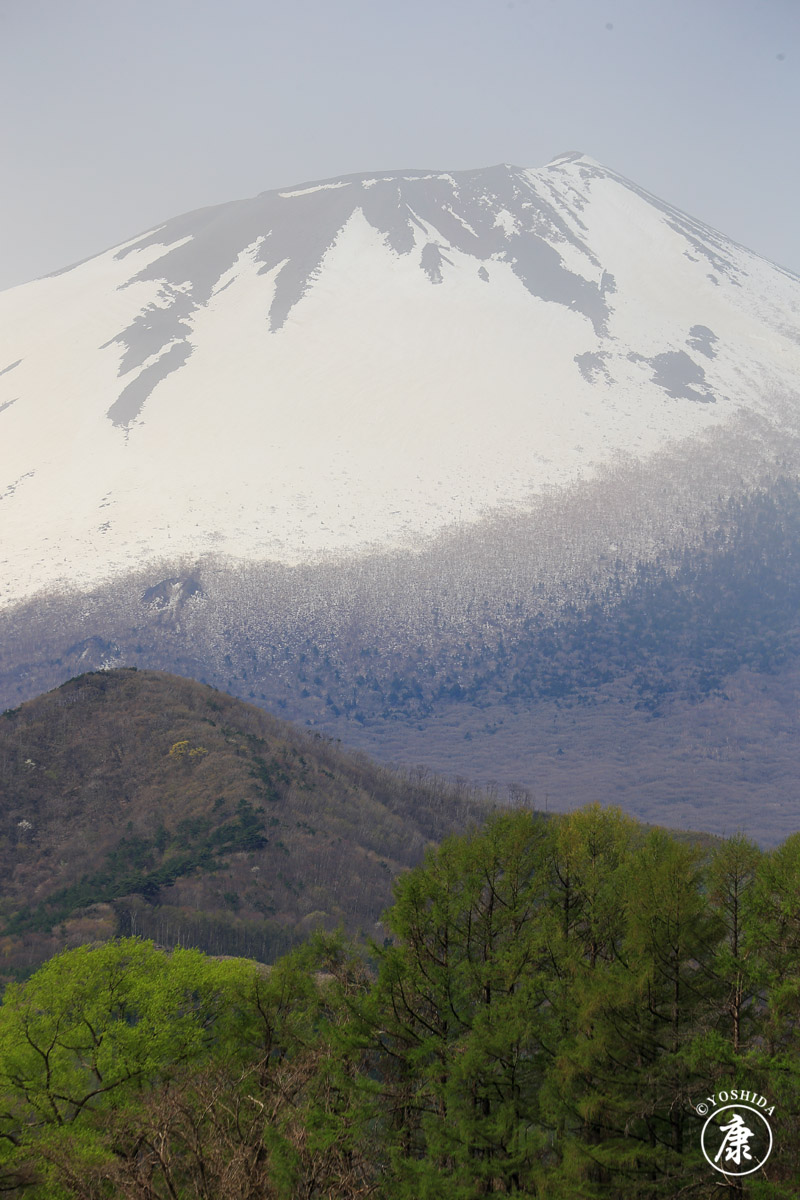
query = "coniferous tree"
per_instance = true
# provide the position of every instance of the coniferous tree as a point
(554, 999)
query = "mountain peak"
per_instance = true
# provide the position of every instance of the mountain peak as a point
(569, 156)
(382, 356)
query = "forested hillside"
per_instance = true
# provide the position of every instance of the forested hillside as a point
(553, 1006)
(138, 802)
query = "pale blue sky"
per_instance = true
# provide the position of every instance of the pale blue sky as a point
(118, 114)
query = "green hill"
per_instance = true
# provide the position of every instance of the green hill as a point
(140, 802)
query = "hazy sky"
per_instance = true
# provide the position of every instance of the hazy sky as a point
(118, 114)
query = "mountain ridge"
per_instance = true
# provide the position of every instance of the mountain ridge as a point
(138, 800)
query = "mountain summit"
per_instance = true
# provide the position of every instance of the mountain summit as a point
(419, 457)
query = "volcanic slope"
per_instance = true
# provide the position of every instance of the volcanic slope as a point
(139, 802)
(422, 455)
(361, 363)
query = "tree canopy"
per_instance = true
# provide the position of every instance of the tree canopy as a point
(553, 1002)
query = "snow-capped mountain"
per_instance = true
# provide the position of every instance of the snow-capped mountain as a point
(361, 363)
(379, 419)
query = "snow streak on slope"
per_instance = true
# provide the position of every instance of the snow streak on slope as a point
(361, 363)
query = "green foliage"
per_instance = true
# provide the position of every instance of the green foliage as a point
(559, 997)
(553, 1000)
(130, 1072)
(95, 1029)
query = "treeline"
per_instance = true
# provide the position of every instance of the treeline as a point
(665, 632)
(674, 628)
(479, 614)
(554, 1003)
(671, 629)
